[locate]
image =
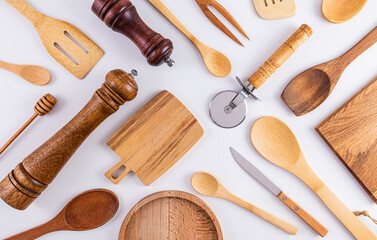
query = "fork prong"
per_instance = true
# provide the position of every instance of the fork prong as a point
(228, 16)
(220, 25)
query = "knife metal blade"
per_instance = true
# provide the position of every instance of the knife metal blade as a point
(255, 173)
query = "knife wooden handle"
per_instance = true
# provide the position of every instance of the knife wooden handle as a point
(310, 220)
(281, 55)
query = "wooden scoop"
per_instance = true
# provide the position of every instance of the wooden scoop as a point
(338, 11)
(216, 62)
(89, 210)
(206, 184)
(311, 88)
(276, 142)
(31, 73)
(63, 41)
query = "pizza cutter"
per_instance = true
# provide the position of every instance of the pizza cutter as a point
(228, 108)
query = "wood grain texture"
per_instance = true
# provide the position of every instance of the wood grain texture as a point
(121, 16)
(53, 32)
(33, 175)
(216, 62)
(275, 9)
(338, 11)
(311, 88)
(351, 133)
(33, 74)
(204, 6)
(281, 55)
(305, 216)
(171, 215)
(154, 139)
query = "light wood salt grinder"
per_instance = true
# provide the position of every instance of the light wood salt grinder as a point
(121, 16)
(41, 108)
(32, 176)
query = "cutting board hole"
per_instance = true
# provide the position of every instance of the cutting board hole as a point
(118, 172)
(66, 53)
(73, 39)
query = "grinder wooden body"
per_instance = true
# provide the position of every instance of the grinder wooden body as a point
(32, 176)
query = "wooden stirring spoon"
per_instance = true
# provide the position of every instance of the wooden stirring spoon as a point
(275, 141)
(31, 73)
(216, 62)
(311, 88)
(206, 184)
(338, 11)
(89, 210)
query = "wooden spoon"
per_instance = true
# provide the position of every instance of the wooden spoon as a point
(206, 184)
(216, 62)
(312, 87)
(33, 74)
(276, 142)
(338, 11)
(89, 210)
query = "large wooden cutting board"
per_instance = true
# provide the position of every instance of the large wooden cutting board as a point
(171, 215)
(154, 139)
(351, 132)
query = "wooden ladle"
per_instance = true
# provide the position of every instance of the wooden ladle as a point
(216, 62)
(338, 11)
(275, 141)
(31, 73)
(311, 88)
(206, 184)
(89, 210)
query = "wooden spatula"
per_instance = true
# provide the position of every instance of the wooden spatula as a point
(275, 9)
(63, 41)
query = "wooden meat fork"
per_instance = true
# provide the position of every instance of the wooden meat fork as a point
(203, 4)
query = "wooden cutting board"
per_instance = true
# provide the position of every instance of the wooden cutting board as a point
(171, 215)
(351, 132)
(154, 139)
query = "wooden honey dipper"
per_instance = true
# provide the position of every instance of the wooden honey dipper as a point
(41, 108)
(32, 176)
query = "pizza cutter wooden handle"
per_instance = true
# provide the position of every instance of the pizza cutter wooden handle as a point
(117, 173)
(281, 55)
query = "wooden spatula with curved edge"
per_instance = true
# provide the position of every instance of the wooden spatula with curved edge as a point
(63, 41)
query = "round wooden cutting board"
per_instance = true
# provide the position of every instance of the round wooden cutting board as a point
(171, 215)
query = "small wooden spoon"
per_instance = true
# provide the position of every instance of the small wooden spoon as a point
(33, 74)
(89, 210)
(311, 88)
(275, 141)
(216, 62)
(338, 11)
(206, 184)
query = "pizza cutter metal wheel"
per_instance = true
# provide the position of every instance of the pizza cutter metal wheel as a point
(223, 114)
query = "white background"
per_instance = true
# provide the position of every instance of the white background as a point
(190, 81)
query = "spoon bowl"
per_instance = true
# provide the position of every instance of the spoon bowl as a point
(205, 183)
(35, 74)
(338, 11)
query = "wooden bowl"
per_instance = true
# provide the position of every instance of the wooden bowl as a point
(171, 215)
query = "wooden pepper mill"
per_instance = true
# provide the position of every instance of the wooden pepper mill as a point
(32, 176)
(121, 16)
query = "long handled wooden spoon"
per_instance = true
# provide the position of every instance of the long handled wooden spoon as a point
(338, 11)
(31, 73)
(275, 141)
(206, 184)
(89, 210)
(311, 88)
(217, 63)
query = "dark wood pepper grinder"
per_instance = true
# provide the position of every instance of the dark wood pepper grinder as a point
(121, 16)
(32, 176)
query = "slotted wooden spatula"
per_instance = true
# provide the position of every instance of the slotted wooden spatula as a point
(63, 41)
(275, 9)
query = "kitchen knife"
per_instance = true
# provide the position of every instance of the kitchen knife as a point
(262, 179)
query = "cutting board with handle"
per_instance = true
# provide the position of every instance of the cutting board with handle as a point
(154, 139)
(351, 132)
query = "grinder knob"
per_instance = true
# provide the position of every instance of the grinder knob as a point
(121, 16)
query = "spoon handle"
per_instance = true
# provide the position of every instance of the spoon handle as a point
(173, 19)
(354, 225)
(289, 228)
(9, 67)
(369, 40)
